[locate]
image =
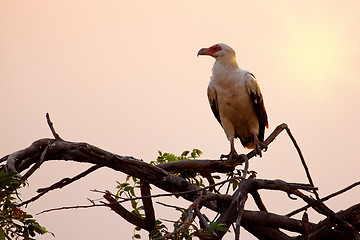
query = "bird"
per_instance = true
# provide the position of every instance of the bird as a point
(236, 100)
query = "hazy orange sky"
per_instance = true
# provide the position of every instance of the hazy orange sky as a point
(124, 76)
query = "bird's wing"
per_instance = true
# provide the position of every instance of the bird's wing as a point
(212, 96)
(254, 92)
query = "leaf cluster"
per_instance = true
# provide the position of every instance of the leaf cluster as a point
(128, 190)
(131, 187)
(14, 222)
(191, 175)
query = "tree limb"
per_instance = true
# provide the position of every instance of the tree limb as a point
(148, 205)
(324, 198)
(60, 184)
(128, 216)
(261, 223)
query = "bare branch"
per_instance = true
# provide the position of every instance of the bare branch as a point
(128, 216)
(259, 203)
(241, 206)
(305, 221)
(37, 164)
(205, 166)
(191, 215)
(51, 125)
(148, 206)
(60, 184)
(72, 207)
(14, 160)
(231, 208)
(325, 229)
(302, 161)
(325, 198)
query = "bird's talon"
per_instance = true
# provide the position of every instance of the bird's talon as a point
(229, 157)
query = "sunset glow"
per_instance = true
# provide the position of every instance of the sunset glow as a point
(124, 76)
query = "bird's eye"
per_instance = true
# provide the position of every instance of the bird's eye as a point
(216, 48)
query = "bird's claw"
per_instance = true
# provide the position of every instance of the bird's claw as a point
(222, 156)
(231, 156)
(259, 146)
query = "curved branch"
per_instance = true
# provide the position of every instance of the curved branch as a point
(325, 198)
(206, 166)
(57, 149)
(128, 216)
(63, 182)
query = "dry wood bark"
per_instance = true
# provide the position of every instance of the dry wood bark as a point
(262, 224)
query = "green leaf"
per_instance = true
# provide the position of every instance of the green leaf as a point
(128, 188)
(235, 184)
(221, 227)
(133, 204)
(185, 153)
(2, 234)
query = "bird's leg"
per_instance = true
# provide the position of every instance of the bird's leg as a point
(232, 153)
(258, 145)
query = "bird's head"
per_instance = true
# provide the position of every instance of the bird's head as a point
(219, 50)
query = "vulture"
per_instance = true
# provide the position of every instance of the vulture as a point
(236, 100)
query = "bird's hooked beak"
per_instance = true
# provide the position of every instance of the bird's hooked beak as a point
(203, 51)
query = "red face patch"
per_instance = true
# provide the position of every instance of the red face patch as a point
(215, 48)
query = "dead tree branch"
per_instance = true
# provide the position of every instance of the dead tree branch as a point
(128, 216)
(51, 126)
(63, 182)
(324, 198)
(262, 224)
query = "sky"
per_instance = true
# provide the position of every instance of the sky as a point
(124, 76)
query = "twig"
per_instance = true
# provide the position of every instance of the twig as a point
(204, 223)
(235, 198)
(352, 212)
(320, 206)
(184, 225)
(72, 207)
(128, 216)
(302, 161)
(43, 155)
(241, 201)
(172, 194)
(238, 218)
(60, 184)
(37, 164)
(258, 201)
(246, 168)
(51, 125)
(305, 222)
(324, 198)
(171, 206)
(191, 215)
(179, 193)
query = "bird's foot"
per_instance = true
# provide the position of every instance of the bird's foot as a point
(258, 146)
(231, 156)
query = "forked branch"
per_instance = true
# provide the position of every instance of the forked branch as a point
(231, 208)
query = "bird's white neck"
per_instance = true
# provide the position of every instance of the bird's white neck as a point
(224, 66)
(227, 62)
